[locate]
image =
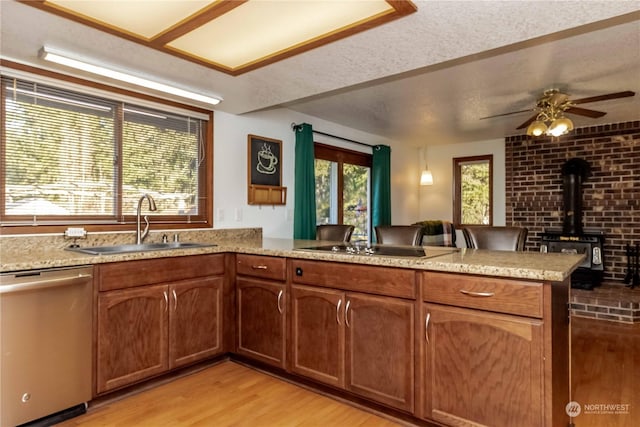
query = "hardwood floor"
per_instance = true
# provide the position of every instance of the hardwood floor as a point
(228, 394)
(606, 371)
(605, 365)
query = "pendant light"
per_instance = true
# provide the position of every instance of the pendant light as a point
(426, 177)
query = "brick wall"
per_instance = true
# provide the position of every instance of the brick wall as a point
(611, 196)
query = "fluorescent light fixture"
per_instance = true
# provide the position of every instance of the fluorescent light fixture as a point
(52, 55)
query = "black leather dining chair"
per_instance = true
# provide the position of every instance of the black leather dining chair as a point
(399, 235)
(335, 232)
(496, 238)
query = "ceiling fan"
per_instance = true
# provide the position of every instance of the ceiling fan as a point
(550, 109)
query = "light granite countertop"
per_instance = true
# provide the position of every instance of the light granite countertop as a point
(26, 253)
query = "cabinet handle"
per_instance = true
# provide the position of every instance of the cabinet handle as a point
(280, 299)
(166, 301)
(426, 327)
(338, 311)
(175, 300)
(476, 294)
(259, 267)
(346, 314)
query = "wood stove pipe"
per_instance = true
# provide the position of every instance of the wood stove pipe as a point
(574, 172)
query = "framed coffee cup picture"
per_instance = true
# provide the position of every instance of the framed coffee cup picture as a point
(264, 171)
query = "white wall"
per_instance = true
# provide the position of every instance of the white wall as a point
(410, 201)
(231, 209)
(405, 183)
(436, 201)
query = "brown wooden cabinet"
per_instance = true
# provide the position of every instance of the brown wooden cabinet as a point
(132, 336)
(195, 320)
(359, 342)
(380, 350)
(261, 320)
(458, 349)
(482, 368)
(261, 308)
(317, 334)
(493, 364)
(146, 328)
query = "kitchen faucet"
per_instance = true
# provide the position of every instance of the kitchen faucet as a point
(140, 235)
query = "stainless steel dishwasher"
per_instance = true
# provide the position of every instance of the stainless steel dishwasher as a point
(45, 343)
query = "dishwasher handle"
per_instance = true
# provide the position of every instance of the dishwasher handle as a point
(44, 283)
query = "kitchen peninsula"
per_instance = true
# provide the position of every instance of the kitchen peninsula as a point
(26, 253)
(457, 337)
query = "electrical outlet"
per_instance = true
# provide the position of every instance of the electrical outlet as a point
(75, 233)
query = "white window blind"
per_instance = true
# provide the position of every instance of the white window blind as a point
(161, 155)
(70, 156)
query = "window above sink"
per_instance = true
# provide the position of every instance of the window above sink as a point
(81, 155)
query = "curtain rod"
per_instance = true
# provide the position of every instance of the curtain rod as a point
(295, 126)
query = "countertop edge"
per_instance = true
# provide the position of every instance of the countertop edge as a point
(464, 261)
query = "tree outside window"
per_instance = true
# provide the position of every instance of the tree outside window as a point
(473, 190)
(71, 157)
(342, 188)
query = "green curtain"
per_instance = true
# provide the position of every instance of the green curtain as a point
(381, 186)
(304, 213)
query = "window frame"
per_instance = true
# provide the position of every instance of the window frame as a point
(341, 156)
(121, 222)
(457, 186)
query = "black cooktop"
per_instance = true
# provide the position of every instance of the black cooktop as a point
(381, 250)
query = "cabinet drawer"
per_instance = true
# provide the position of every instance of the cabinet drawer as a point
(266, 267)
(499, 295)
(128, 274)
(394, 282)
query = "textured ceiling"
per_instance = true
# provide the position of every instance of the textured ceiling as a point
(426, 78)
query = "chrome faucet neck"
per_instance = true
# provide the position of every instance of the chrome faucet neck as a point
(141, 234)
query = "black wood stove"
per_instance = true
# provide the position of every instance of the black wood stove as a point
(590, 242)
(572, 238)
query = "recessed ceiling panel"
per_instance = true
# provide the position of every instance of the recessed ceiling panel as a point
(144, 18)
(261, 28)
(233, 36)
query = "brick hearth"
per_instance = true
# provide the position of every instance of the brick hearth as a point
(607, 302)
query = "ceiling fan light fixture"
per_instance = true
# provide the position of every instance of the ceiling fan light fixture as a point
(560, 126)
(549, 116)
(536, 128)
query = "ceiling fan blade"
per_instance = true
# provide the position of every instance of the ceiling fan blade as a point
(585, 112)
(604, 97)
(506, 114)
(528, 122)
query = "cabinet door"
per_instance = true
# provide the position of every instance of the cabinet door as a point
(317, 334)
(132, 336)
(482, 368)
(261, 320)
(380, 342)
(195, 320)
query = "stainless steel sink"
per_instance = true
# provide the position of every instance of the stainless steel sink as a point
(121, 249)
